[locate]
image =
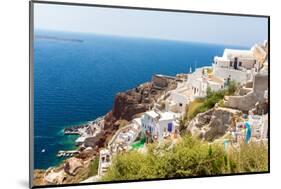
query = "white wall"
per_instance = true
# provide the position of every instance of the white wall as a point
(236, 75)
(214, 86)
(148, 122)
(179, 99)
(225, 59)
(222, 63)
(14, 92)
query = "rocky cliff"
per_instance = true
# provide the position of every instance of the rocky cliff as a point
(212, 124)
(127, 105)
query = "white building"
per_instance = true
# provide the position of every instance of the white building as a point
(236, 59)
(238, 65)
(200, 80)
(178, 99)
(104, 161)
(159, 124)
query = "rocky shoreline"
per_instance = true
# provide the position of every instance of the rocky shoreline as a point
(127, 106)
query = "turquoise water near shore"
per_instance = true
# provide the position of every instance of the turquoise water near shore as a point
(76, 77)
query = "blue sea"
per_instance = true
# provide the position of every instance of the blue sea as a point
(76, 77)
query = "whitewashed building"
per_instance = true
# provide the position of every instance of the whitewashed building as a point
(200, 81)
(178, 99)
(104, 161)
(159, 124)
(238, 65)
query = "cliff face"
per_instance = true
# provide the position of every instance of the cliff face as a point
(132, 102)
(127, 105)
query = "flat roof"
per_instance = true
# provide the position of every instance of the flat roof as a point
(167, 116)
(215, 79)
(152, 114)
(239, 53)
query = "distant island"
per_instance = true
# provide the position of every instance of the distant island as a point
(58, 38)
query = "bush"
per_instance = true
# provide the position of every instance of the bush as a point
(199, 106)
(252, 157)
(189, 157)
(212, 97)
(94, 166)
(194, 107)
(221, 103)
(231, 88)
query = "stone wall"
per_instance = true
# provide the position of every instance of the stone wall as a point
(248, 101)
(243, 91)
(244, 103)
(260, 84)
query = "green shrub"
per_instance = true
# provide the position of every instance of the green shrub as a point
(194, 108)
(94, 166)
(231, 88)
(212, 97)
(189, 157)
(221, 103)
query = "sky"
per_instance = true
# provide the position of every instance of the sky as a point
(204, 28)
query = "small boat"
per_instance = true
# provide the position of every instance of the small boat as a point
(43, 150)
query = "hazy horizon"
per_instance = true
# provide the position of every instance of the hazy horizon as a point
(174, 26)
(134, 37)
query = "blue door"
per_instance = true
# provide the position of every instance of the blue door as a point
(170, 127)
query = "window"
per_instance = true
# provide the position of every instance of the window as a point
(231, 64)
(240, 63)
(107, 158)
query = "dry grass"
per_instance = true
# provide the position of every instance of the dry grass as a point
(193, 107)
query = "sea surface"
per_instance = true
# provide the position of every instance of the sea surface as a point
(76, 77)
